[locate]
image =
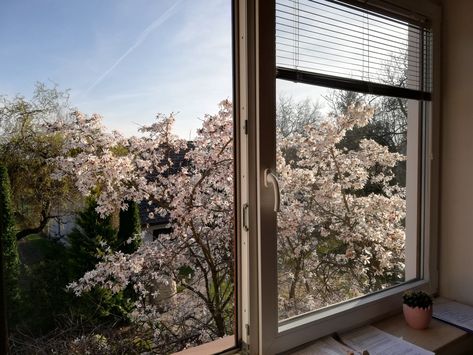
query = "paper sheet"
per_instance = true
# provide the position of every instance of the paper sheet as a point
(455, 313)
(326, 346)
(378, 342)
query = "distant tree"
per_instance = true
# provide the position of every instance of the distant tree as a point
(11, 261)
(388, 126)
(26, 147)
(293, 116)
(129, 232)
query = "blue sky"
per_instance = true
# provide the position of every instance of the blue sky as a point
(124, 59)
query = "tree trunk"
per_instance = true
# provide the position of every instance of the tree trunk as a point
(220, 323)
(292, 290)
(39, 228)
(27, 231)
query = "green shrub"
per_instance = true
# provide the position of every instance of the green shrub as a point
(11, 260)
(46, 299)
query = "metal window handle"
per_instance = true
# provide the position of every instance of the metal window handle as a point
(270, 178)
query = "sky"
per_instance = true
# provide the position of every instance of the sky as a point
(124, 59)
(129, 60)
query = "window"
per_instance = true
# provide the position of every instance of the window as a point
(341, 164)
(345, 229)
(306, 207)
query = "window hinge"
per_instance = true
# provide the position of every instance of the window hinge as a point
(246, 126)
(247, 327)
(246, 218)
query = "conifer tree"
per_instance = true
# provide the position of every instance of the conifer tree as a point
(90, 238)
(129, 232)
(11, 260)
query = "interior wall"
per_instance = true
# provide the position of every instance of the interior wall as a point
(456, 196)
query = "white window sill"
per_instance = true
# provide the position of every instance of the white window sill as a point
(213, 347)
(440, 337)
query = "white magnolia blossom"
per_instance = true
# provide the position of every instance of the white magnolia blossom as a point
(335, 240)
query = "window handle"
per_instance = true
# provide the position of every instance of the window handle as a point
(270, 178)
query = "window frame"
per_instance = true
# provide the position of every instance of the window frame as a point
(254, 74)
(261, 332)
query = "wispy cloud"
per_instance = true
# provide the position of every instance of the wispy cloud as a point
(139, 40)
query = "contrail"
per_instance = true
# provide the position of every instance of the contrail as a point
(156, 23)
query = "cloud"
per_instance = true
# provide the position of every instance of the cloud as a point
(143, 35)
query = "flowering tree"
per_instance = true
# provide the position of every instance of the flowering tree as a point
(335, 240)
(184, 280)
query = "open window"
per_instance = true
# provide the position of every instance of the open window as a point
(306, 208)
(120, 236)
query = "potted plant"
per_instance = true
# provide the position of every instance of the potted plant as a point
(417, 309)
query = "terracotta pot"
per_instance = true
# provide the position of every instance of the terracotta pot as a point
(417, 318)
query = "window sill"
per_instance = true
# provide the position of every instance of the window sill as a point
(213, 347)
(440, 338)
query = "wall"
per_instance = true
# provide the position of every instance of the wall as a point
(456, 199)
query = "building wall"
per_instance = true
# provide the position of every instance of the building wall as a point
(456, 197)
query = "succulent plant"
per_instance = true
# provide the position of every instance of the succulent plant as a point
(418, 299)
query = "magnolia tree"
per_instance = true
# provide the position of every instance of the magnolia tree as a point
(335, 240)
(183, 281)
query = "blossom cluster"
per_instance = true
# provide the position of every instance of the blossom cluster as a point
(183, 279)
(336, 239)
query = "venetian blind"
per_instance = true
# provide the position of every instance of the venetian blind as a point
(330, 38)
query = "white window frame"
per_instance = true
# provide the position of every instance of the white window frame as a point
(260, 330)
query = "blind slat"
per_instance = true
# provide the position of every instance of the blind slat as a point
(329, 38)
(348, 43)
(338, 23)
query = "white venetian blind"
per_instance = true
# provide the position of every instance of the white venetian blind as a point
(334, 39)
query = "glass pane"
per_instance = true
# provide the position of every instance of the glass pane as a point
(116, 137)
(345, 229)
